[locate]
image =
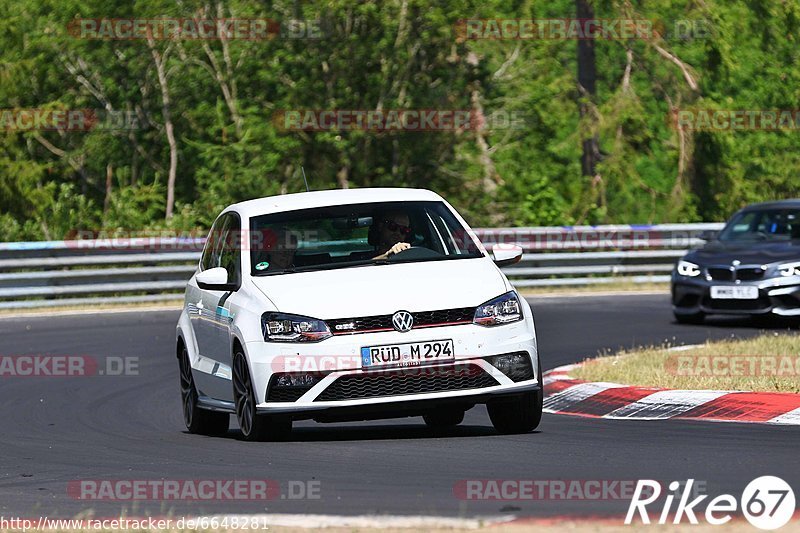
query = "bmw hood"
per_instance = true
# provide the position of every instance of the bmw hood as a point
(383, 289)
(749, 253)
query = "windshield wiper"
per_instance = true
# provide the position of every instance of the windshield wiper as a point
(363, 262)
(312, 268)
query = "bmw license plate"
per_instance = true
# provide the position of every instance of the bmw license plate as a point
(410, 354)
(734, 293)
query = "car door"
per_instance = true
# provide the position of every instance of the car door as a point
(220, 350)
(202, 309)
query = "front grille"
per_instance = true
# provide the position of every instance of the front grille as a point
(750, 274)
(422, 319)
(414, 380)
(721, 274)
(733, 273)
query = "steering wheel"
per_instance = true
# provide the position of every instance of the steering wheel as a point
(414, 252)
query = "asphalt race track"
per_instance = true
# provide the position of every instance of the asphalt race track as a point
(57, 430)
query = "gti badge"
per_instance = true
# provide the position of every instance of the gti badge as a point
(402, 321)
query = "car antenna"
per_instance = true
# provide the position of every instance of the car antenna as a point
(304, 178)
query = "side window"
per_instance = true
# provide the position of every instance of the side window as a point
(231, 248)
(210, 257)
(747, 223)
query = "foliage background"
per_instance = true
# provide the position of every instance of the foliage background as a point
(394, 54)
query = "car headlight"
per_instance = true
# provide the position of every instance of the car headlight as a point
(501, 310)
(789, 269)
(685, 268)
(284, 327)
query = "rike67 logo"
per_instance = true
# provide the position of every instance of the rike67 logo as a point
(767, 502)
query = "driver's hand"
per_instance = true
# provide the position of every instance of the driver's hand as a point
(397, 248)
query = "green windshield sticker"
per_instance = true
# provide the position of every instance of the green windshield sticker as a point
(262, 266)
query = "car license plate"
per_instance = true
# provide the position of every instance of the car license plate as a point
(734, 293)
(410, 354)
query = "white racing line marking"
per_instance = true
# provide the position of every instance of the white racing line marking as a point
(309, 521)
(665, 404)
(685, 347)
(575, 394)
(791, 418)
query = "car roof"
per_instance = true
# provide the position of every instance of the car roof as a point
(776, 204)
(307, 200)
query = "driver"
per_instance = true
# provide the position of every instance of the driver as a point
(394, 229)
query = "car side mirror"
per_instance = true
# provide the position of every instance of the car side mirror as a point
(506, 254)
(214, 279)
(707, 235)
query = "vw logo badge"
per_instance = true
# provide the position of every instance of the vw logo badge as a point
(402, 321)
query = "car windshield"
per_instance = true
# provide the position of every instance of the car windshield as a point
(352, 235)
(763, 225)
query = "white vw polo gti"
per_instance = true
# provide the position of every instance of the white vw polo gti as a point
(351, 305)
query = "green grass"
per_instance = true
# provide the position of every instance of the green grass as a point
(768, 363)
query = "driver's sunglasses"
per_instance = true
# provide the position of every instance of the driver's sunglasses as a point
(391, 225)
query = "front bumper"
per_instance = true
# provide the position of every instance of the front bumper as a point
(472, 345)
(777, 296)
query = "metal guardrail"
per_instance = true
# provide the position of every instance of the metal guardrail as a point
(91, 272)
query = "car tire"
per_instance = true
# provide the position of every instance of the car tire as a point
(520, 414)
(444, 418)
(254, 427)
(694, 318)
(198, 420)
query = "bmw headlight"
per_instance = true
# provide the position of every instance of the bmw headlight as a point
(685, 268)
(284, 327)
(501, 310)
(789, 269)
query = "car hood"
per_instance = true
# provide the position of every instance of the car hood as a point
(750, 253)
(383, 289)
